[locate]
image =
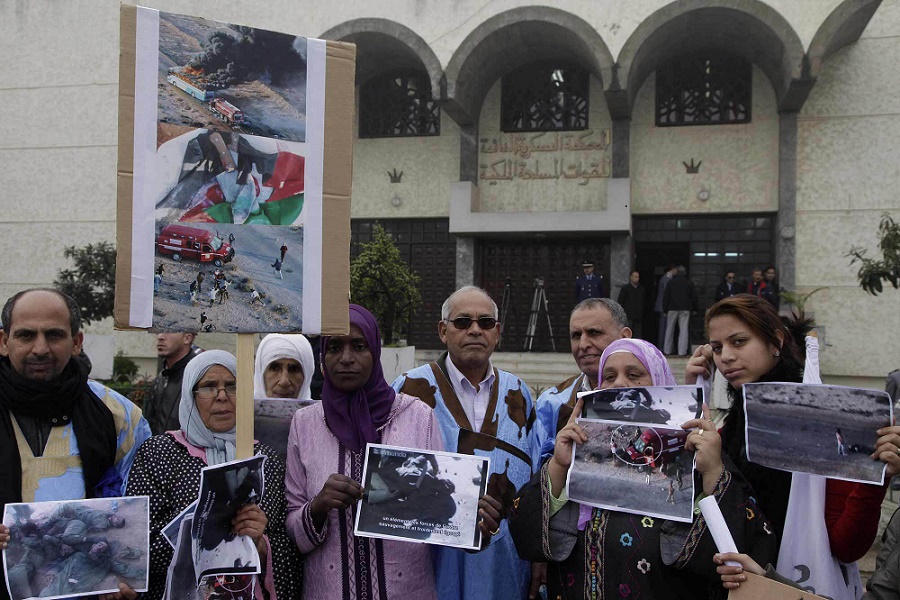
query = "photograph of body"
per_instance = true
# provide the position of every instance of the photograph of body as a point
(670, 406)
(422, 496)
(231, 77)
(818, 429)
(66, 548)
(633, 469)
(224, 489)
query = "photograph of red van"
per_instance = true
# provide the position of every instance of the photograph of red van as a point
(181, 242)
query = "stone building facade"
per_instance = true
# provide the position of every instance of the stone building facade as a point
(718, 134)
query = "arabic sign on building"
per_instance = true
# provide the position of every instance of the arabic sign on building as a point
(581, 156)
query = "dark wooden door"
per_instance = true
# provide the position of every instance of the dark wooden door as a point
(557, 263)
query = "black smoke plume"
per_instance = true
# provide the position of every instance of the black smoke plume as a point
(242, 53)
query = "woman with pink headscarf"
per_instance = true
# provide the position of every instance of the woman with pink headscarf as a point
(598, 553)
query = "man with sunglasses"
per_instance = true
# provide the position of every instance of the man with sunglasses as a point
(486, 411)
(728, 287)
(594, 324)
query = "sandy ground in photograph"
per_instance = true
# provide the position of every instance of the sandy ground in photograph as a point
(272, 422)
(255, 251)
(615, 484)
(788, 439)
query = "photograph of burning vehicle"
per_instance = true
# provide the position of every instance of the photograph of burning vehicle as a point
(215, 75)
(670, 406)
(213, 177)
(825, 430)
(215, 277)
(633, 469)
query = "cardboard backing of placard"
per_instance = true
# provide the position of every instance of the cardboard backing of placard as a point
(125, 168)
(340, 77)
(763, 588)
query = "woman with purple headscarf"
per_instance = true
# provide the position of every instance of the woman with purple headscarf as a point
(326, 452)
(598, 553)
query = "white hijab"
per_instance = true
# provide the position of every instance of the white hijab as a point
(276, 346)
(219, 447)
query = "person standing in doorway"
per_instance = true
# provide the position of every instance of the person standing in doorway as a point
(588, 285)
(631, 297)
(773, 287)
(728, 287)
(658, 306)
(679, 301)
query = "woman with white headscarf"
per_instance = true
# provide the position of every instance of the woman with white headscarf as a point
(167, 468)
(284, 367)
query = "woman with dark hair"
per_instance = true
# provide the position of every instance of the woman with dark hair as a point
(749, 343)
(326, 452)
(167, 468)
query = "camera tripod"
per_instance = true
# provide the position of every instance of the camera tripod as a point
(539, 301)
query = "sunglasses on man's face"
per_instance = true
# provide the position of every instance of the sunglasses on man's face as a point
(466, 322)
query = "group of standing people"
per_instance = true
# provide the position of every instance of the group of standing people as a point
(531, 533)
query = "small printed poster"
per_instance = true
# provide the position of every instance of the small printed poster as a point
(422, 496)
(76, 547)
(631, 468)
(825, 430)
(223, 490)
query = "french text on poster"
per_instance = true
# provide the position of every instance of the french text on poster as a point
(633, 468)
(825, 430)
(422, 496)
(76, 547)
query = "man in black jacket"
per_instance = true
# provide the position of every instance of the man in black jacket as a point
(631, 297)
(161, 407)
(679, 301)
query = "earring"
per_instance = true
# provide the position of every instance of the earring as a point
(777, 353)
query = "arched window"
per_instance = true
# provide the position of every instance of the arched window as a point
(546, 96)
(398, 104)
(703, 90)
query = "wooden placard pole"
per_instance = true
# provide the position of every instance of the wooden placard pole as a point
(244, 400)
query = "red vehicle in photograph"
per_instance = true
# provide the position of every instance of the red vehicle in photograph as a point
(656, 449)
(180, 242)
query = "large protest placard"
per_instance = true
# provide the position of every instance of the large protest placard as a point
(825, 430)
(224, 489)
(657, 405)
(633, 468)
(76, 547)
(234, 168)
(422, 496)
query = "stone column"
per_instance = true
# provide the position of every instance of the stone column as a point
(465, 261)
(786, 222)
(621, 247)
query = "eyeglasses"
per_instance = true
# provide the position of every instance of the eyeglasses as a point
(208, 392)
(466, 322)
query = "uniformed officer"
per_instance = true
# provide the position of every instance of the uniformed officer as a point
(588, 285)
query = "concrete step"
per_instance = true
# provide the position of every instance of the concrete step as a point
(541, 370)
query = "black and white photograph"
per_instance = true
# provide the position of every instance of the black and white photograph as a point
(223, 490)
(634, 469)
(76, 547)
(171, 531)
(422, 496)
(653, 405)
(181, 585)
(825, 430)
(272, 421)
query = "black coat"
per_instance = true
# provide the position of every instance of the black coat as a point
(680, 295)
(161, 406)
(632, 300)
(723, 292)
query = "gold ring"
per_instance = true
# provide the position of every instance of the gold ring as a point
(897, 451)
(496, 531)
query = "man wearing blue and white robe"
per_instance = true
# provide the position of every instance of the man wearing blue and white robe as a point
(593, 325)
(487, 412)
